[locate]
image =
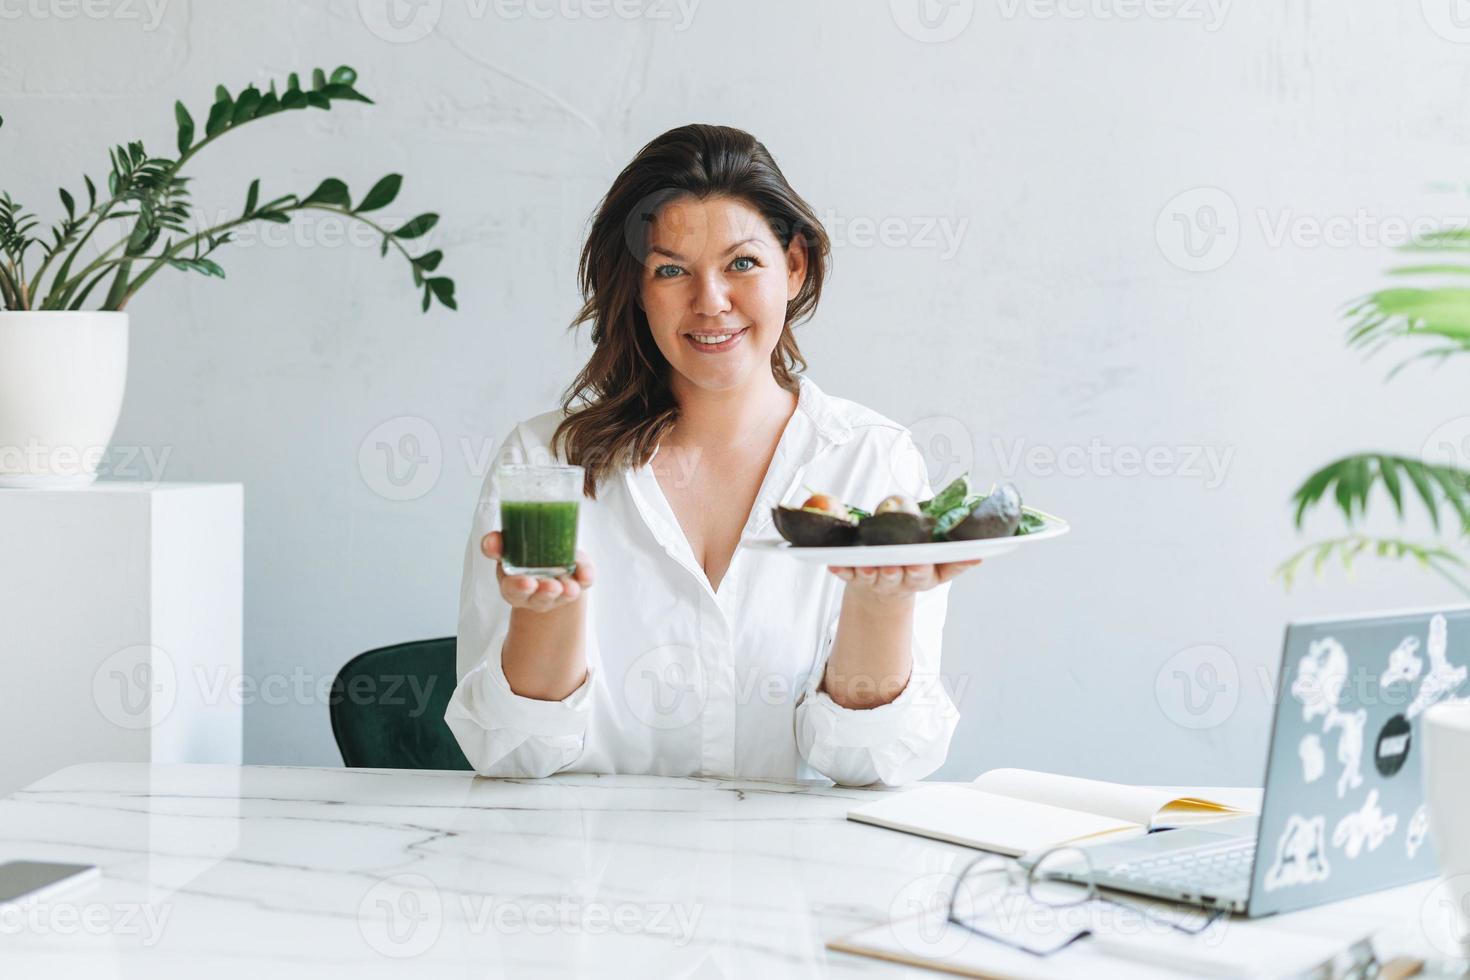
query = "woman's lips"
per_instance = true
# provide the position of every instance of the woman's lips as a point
(724, 345)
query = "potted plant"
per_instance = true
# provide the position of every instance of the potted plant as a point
(1435, 311)
(64, 289)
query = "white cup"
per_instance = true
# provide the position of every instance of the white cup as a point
(1447, 791)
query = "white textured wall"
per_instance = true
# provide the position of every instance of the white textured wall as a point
(1044, 140)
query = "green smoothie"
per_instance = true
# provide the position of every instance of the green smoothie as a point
(540, 536)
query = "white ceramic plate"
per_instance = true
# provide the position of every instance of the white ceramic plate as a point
(931, 552)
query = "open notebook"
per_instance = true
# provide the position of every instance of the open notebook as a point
(1014, 811)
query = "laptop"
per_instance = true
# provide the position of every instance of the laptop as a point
(1343, 811)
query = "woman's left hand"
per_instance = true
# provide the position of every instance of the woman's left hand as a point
(897, 580)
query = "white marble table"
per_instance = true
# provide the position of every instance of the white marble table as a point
(219, 871)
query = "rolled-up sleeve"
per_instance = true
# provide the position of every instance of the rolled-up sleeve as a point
(894, 743)
(501, 732)
(907, 738)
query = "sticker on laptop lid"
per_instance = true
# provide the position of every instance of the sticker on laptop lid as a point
(1314, 760)
(1367, 826)
(1443, 677)
(1320, 676)
(1391, 750)
(1301, 854)
(1349, 746)
(1404, 663)
(1418, 830)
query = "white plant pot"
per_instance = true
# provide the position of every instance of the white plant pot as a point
(61, 389)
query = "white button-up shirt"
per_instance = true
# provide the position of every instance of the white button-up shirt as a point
(683, 679)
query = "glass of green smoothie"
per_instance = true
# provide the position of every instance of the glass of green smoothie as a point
(538, 519)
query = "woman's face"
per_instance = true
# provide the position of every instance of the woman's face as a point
(715, 287)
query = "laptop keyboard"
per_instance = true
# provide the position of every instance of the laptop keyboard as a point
(1211, 868)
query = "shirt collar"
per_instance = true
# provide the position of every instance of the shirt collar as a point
(820, 408)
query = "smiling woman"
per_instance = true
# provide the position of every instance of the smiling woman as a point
(692, 420)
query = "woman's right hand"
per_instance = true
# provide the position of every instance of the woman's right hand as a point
(537, 594)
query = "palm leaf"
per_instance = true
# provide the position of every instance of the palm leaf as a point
(1351, 547)
(1350, 481)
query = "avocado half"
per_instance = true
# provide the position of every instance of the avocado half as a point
(809, 529)
(895, 527)
(997, 516)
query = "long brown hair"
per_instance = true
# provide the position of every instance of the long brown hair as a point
(620, 404)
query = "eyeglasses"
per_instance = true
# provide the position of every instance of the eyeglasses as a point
(1055, 879)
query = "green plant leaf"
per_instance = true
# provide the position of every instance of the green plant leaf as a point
(1350, 548)
(1351, 481)
(953, 495)
(443, 290)
(428, 262)
(318, 79)
(382, 194)
(417, 227)
(67, 202)
(245, 106)
(252, 197)
(219, 119)
(186, 127)
(330, 191)
(343, 75)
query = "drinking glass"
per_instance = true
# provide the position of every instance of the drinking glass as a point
(538, 519)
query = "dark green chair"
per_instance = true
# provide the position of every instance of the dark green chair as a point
(387, 708)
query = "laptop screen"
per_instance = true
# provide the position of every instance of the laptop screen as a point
(1344, 808)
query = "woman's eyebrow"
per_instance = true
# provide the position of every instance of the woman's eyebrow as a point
(675, 255)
